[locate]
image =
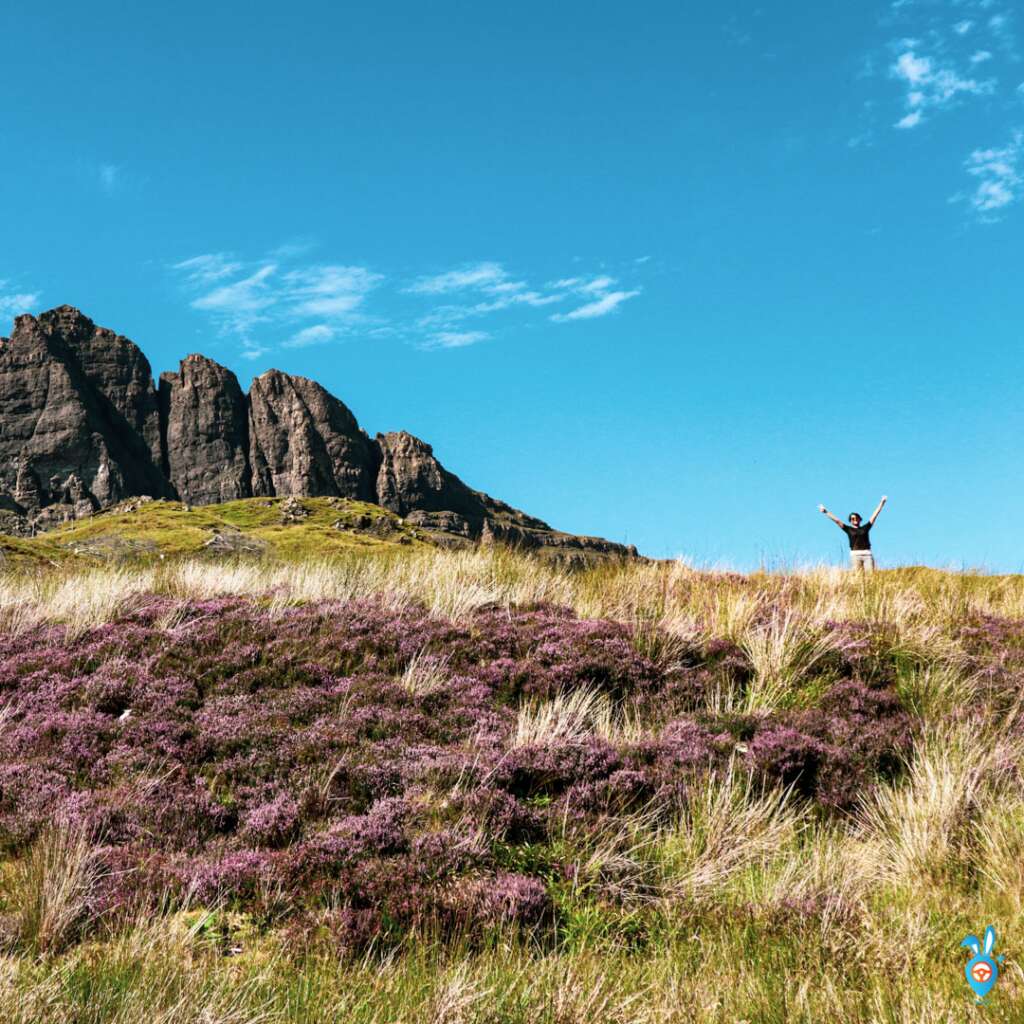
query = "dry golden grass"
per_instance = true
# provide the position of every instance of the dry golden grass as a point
(52, 883)
(773, 614)
(731, 827)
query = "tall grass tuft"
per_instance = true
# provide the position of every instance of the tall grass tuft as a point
(568, 715)
(730, 825)
(50, 889)
(781, 652)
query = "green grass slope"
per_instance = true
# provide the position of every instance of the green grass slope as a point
(158, 530)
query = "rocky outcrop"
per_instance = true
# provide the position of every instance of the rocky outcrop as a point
(115, 366)
(75, 401)
(411, 478)
(445, 522)
(414, 484)
(12, 516)
(205, 422)
(82, 427)
(303, 441)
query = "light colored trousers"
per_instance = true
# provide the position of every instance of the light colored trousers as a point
(862, 560)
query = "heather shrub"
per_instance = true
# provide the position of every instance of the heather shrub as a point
(994, 653)
(548, 769)
(548, 651)
(502, 899)
(364, 768)
(787, 755)
(622, 791)
(488, 792)
(235, 877)
(861, 650)
(273, 823)
(500, 815)
(836, 751)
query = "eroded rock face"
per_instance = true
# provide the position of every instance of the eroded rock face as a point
(12, 517)
(115, 366)
(446, 522)
(410, 478)
(205, 419)
(303, 441)
(75, 400)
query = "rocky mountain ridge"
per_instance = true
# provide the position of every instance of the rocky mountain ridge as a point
(83, 426)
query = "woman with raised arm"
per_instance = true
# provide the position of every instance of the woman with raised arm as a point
(858, 533)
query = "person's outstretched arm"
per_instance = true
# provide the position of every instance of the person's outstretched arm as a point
(881, 505)
(835, 519)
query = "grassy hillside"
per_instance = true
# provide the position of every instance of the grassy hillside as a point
(151, 530)
(407, 784)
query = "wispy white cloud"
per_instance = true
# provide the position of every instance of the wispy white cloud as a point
(484, 289)
(600, 307)
(14, 303)
(210, 267)
(505, 293)
(318, 303)
(450, 314)
(585, 285)
(249, 295)
(292, 250)
(330, 291)
(500, 291)
(946, 55)
(999, 23)
(455, 339)
(931, 86)
(602, 299)
(317, 334)
(241, 295)
(1000, 179)
(482, 275)
(109, 177)
(911, 120)
(597, 286)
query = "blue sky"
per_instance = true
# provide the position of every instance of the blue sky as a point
(668, 273)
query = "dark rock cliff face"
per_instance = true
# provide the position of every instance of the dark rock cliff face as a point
(205, 422)
(410, 478)
(75, 401)
(82, 427)
(115, 366)
(305, 442)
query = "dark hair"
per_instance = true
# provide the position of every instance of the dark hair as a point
(857, 514)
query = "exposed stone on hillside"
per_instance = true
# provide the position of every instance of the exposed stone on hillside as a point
(205, 420)
(411, 478)
(82, 427)
(61, 418)
(115, 366)
(306, 442)
(293, 511)
(231, 542)
(448, 522)
(12, 516)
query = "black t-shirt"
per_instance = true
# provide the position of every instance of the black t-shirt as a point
(859, 540)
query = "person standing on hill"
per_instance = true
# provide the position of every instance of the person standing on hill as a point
(858, 532)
